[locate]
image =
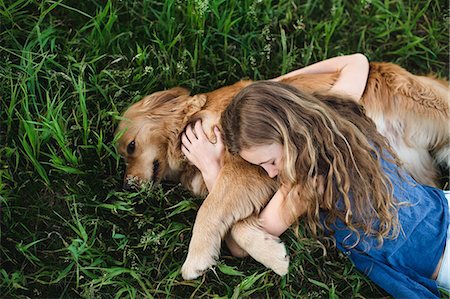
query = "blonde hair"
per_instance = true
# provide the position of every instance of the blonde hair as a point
(332, 155)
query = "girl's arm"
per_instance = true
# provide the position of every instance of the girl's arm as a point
(271, 218)
(276, 219)
(353, 72)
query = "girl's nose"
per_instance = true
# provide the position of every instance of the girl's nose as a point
(271, 171)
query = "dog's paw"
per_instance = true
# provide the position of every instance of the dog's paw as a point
(273, 255)
(279, 258)
(195, 266)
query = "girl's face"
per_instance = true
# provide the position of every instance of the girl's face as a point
(267, 156)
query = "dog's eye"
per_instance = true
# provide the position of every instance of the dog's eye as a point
(131, 147)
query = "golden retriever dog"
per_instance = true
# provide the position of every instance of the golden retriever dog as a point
(411, 111)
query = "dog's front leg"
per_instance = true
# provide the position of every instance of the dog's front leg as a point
(262, 246)
(240, 190)
(210, 225)
(251, 237)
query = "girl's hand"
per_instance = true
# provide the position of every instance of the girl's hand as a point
(205, 155)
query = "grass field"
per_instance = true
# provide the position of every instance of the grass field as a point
(68, 69)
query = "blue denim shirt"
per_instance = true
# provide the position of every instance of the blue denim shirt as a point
(403, 266)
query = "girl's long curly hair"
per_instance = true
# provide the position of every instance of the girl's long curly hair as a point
(331, 160)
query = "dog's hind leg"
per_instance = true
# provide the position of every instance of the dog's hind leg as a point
(413, 113)
(418, 162)
(232, 198)
(424, 105)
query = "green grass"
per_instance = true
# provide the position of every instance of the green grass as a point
(68, 69)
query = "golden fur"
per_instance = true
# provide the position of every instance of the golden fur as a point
(411, 111)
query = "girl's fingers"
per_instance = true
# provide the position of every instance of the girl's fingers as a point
(190, 134)
(185, 151)
(185, 140)
(199, 130)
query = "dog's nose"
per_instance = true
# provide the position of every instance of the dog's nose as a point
(130, 183)
(127, 186)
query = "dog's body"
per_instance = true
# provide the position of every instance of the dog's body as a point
(411, 111)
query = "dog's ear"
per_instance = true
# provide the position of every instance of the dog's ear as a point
(194, 105)
(163, 97)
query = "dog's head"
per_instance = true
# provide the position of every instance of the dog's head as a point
(149, 135)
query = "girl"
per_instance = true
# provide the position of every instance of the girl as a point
(340, 174)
